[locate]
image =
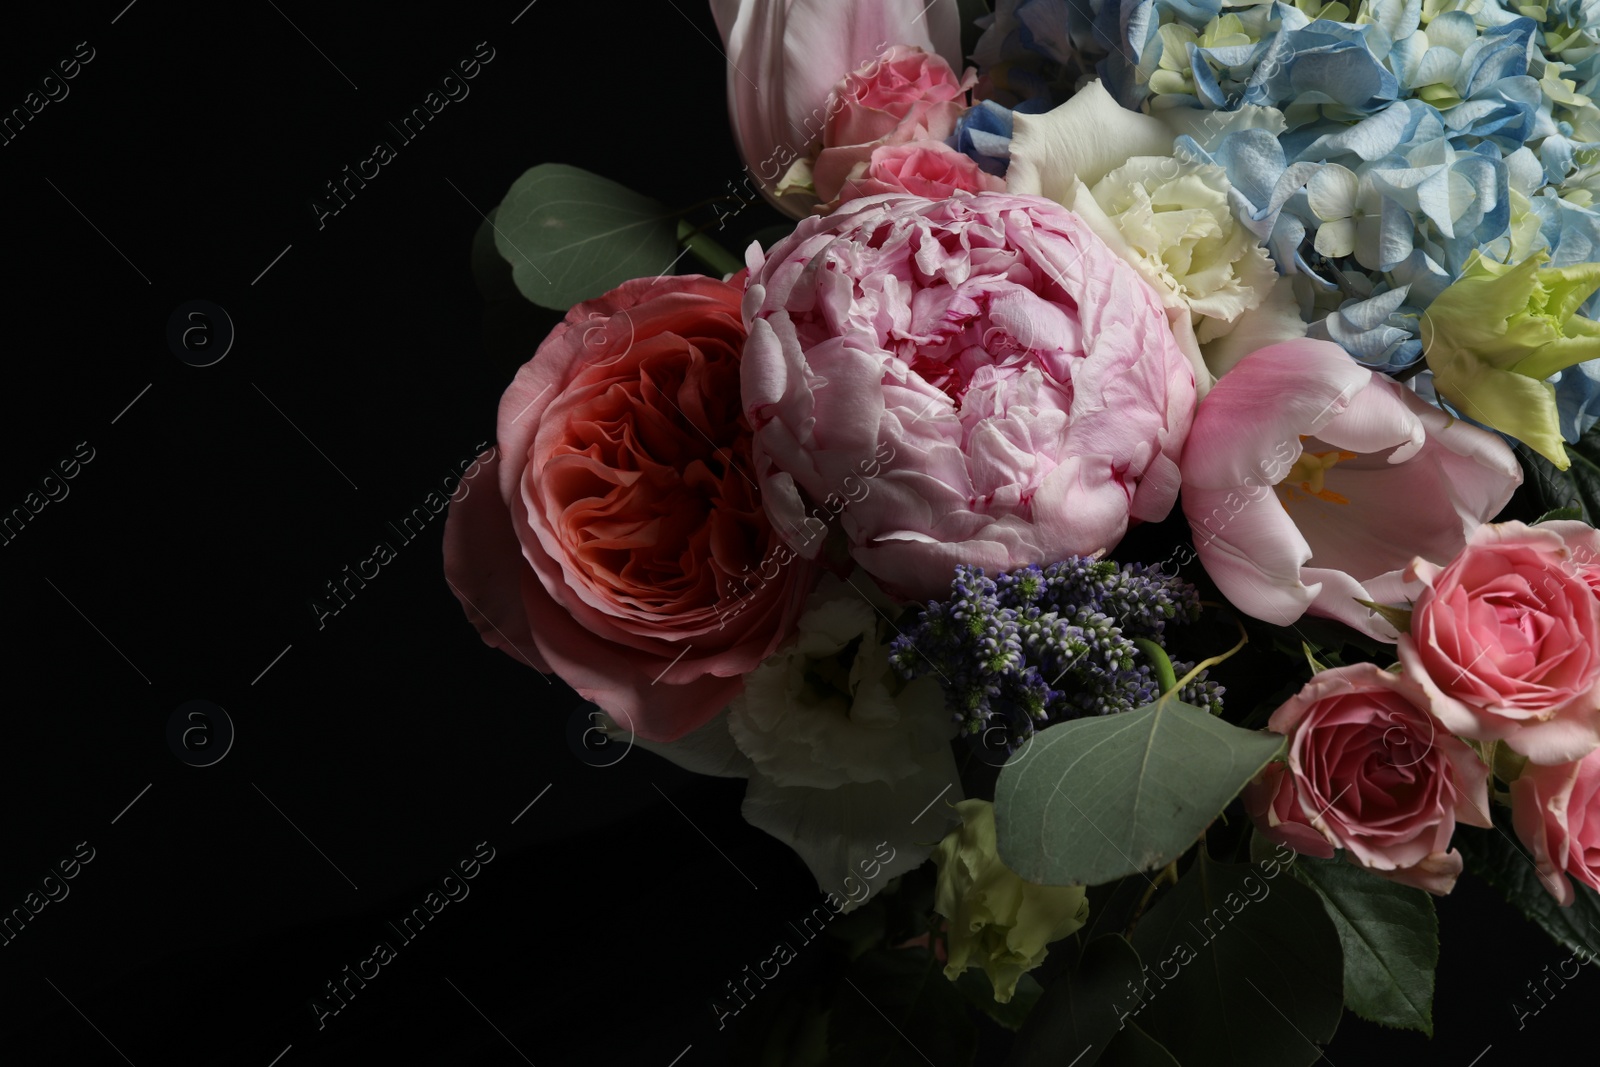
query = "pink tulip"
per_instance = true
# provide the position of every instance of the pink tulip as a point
(1311, 483)
(786, 56)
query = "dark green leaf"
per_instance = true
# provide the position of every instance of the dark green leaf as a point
(1496, 858)
(897, 1009)
(1083, 1009)
(1573, 493)
(974, 984)
(1390, 936)
(1094, 799)
(1560, 513)
(1135, 1048)
(1585, 474)
(1241, 966)
(570, 235)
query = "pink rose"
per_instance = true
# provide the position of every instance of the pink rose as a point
(1273, 804)
(627, 530)
(1556, 812)
(1311, 483)
(786, 57)
(1506, 639)
(929, 169)
(975, 380)
(1370, 772)
(903, 95)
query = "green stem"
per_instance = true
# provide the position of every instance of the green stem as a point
(706, 250)
(1158, 658)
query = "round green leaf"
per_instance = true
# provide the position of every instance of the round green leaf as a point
(1094, 799)
(570, 235)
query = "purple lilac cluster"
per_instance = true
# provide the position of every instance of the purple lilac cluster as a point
(1040, 645)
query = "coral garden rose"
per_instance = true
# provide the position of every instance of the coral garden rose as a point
(1506, 639)
(1372, 773)
(1311, 483)
(620, 548)
(930, 169)
(1556, 813)
(901, 96)
(977, 380)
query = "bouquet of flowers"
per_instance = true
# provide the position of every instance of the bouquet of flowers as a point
(1132, 526)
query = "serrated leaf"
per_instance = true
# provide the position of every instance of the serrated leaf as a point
(1573, 493)
(1240, 967)
(1390, 937)
(1098, 798)
(1078, 1016)
(570, 235)
(1494, 856)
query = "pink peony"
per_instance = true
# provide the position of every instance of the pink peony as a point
(1311, 483)
(901, 96)
(974, 380)
(1370, 772)
(1506, 639)
(786, 57)
(930, 169)
(1556, 812)
(627, 531)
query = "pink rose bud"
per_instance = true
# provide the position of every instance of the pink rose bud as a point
(930, 169)
(1368, 771)
(1556, 812)
(787, 57)
(1506, 639)
(903, 95)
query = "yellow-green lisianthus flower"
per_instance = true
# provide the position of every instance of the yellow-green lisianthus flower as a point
(1494, 336)
(997, 921)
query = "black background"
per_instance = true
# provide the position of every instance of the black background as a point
(376, 751)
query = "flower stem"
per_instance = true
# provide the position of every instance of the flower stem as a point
(706, 250)
(1244, 639)
(1162, 665)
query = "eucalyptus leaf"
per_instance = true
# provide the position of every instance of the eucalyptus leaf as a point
(1097, 798)
(1390, 937)
(570, 235)
(1241, 966)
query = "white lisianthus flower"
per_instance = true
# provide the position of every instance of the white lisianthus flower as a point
(1169, 216)
(843, 757)
(1175, 218)
(828, 709)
